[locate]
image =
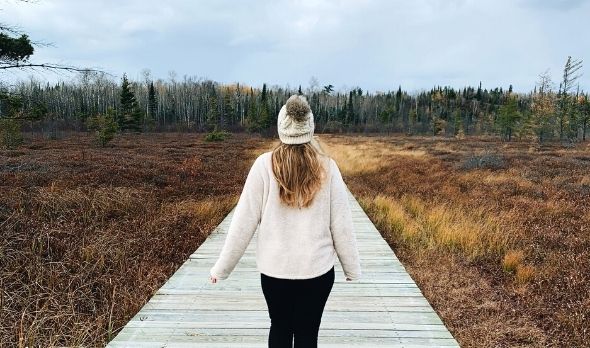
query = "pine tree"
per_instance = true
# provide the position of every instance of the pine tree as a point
(478, 95)
(136, 118)
(412, 119)
(585, 115)
(252, 120)
(130, 117)
(127, 99)
(152, 102)
(350, 115)
(566, 106)
(104, 126)
(213, 114)
(264, 113)
(228, 108)
(509, 118)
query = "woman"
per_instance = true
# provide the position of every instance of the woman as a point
(296, 195)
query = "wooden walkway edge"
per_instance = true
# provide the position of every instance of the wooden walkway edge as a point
(383, 309)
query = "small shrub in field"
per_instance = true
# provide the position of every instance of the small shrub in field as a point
(524, 273)
(105, 127)
(217, 135)
(512, 260)
(333, 127)
(484, 161)
(10, 134)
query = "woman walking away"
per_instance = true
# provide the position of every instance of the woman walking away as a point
(297, 196)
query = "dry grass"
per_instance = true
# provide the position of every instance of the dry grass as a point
(463, 214)
(472, 233)
(512, 260)
(360, 158)
(88, 235)
(524, 273)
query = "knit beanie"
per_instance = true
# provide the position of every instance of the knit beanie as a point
(295, 121)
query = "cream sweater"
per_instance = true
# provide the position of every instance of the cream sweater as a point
(292, 243)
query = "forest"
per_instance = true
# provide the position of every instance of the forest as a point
(191, 104)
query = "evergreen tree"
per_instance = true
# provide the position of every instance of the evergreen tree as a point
(104, 126)
(10, 121)
(264, 113)
(252, 120)
(130, 117)
(479, 94)
(350, 115)
(228, 108)
(14, 50)
(585, 115)
(398, 100)
(566, 105)
(152, 102)
(509, 117)
(412, 119)
(135, 119)
(213, 115)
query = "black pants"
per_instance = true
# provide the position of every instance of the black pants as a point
(295, 307)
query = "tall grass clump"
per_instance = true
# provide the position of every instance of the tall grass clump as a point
(438, 226)
(512, 259)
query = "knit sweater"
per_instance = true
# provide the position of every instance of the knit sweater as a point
(292, 242)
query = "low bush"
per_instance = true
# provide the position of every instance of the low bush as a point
(104, 126)
(484, 161)
(10, 134)
(217, 135)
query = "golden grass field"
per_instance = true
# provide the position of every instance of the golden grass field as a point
(495, 234)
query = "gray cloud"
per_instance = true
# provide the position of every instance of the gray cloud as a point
(374, 44)
(550, 5)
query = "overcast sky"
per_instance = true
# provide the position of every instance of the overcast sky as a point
(374, 44)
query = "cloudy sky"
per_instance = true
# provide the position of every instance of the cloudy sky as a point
(374, 44)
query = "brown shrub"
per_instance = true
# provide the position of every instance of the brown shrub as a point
(512, 260)
(88, 235)
(435, 214)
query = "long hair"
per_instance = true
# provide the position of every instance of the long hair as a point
(299, 171)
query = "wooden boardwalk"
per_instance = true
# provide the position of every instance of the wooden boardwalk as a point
(383, 309)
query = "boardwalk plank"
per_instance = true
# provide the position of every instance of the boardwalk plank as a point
(383, 309)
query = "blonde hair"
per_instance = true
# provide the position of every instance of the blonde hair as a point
(299, 171)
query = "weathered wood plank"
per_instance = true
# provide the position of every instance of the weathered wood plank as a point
(180, 331)
(383, 309)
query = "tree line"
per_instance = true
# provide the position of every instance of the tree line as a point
(191, 104)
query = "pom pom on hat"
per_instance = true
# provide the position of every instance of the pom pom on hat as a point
(297, 108)
(295, 123)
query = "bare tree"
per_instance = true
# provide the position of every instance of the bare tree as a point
(543, 107)
(565, 101)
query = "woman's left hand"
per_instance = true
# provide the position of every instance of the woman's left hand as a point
(213, 279)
